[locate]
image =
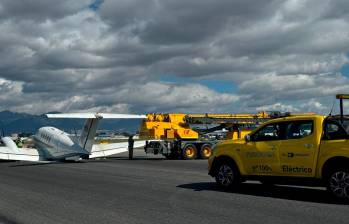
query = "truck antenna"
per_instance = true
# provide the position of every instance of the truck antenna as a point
(332, 108)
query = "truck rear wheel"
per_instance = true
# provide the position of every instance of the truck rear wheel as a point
(338, 183)
(227, 175)
(205, 151)
(189, 152)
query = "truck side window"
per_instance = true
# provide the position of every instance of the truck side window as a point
(334, 131)
(268, 133)
(299, 129)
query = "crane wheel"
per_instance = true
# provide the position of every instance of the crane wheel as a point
(189, 152)
(205, 151)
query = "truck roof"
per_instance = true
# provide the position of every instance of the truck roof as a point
(297, 117)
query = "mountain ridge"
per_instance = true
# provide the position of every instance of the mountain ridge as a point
(15, 122)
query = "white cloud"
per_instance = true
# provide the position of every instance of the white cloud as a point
(171, 97)
(148, 97)
(279, 54)
(270, 87)
(278, 107)
(311, 106)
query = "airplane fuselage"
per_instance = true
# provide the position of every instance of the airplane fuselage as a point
(57, 144)
(54, 144)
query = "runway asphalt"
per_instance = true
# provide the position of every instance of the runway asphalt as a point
(150, 190)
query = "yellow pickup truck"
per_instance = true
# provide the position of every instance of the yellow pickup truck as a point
(309, 149)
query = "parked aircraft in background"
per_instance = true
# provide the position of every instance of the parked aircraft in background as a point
(54, 144)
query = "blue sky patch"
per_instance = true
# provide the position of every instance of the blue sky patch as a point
(95, 5)
(345, 70)
(221, 86)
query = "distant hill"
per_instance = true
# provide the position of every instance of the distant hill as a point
(12, 122)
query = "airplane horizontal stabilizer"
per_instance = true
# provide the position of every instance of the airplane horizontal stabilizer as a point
(97, 116)
(122, 116)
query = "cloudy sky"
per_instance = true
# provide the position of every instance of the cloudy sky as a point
(144, 56)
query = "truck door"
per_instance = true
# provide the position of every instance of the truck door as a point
(260, 153)
(335, 138)
(298, 149)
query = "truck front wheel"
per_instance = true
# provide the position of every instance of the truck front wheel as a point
(227, 175)
(338, 183)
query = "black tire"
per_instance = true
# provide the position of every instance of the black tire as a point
(189, 152)
(227, 176)
(205, 151)
(338, 183)
(85, 157)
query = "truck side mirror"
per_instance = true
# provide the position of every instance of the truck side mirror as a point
(247, 138)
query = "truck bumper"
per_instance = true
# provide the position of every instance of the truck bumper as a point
(210, 165)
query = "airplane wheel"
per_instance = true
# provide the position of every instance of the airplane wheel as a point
(86, 157)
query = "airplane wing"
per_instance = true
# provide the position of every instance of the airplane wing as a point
(10, 151)
(103, 150)
(97, 115)
(25, 154)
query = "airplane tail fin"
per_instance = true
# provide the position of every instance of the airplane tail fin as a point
(89, 130)
(87, 136)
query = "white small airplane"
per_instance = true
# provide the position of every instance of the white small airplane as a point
(53, 144)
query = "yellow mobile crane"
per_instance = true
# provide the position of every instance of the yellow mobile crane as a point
(192, 136)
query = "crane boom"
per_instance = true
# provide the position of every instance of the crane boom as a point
(173, 132)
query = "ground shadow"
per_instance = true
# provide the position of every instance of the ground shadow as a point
(99, 160)
(296, 193)
(7, 161)
(134, 158)
(43, 163)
